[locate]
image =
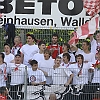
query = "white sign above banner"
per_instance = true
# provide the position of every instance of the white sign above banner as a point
(43, 13)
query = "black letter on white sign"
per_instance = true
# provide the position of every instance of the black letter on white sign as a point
(46, 6)
(20, 4)
(63, 7)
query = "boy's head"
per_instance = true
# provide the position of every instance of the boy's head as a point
(42, 45)
(66, 57)
(18, 59)
(17, 40)
(57, 61)
(65, 47)
(3, 91)
(47, 54)
(7, 48)
(34, 65)
(2, 56)
(55, 38)
(31, 39)
(86, 45)
(79, 58)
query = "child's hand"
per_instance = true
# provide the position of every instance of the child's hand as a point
(33, 83)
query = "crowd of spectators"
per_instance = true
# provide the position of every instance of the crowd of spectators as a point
(53, 64)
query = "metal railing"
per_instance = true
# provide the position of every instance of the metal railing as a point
(27, 91)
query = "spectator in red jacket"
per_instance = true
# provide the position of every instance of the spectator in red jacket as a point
(55, 48)
(3, 93)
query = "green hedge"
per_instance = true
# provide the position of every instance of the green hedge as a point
(41, 34)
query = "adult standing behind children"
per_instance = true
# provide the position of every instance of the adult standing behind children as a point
(29, 49)
(55, 48)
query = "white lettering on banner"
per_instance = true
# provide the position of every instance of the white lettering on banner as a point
(43, 13)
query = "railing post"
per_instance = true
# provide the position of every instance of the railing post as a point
(25, 91)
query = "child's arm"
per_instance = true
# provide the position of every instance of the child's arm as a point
(41, 83)
(69, 75)
(45, 73)
(69, 80)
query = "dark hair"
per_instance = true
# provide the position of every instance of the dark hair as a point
(18, 55)
(58, 57)
(55, 35)
(18, 37)
(47, 51)
(66, 44)
(33, 37)
(87, 42)
(2, 55)
(32, 62)
(41, 42)
(79, 55)
(2, 89)
(7, 45)
(67, 55)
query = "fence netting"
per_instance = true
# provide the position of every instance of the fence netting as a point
(40, 34)
(20, 84)
(19, 81)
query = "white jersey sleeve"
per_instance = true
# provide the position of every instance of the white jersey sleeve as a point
(93, 46)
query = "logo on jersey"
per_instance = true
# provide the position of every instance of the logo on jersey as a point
(32, 78)
(1, 71)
